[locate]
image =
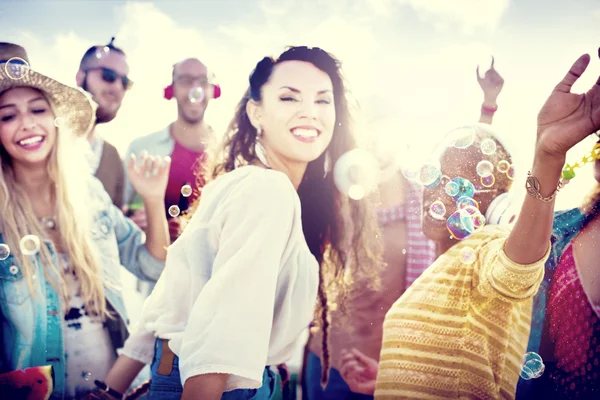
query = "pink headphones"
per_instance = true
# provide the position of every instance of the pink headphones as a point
(215, 94)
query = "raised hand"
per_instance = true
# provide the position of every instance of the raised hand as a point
(491, 83)
(567, 118)
(149, 175)
(359, 371)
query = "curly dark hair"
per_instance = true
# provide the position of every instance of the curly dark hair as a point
(341, 233)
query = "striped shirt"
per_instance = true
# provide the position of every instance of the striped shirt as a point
(461, 329)
(421, 251)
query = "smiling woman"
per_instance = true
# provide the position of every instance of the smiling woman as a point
(63, 240)
(269, 237)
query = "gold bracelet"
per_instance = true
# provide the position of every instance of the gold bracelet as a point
(533, 188)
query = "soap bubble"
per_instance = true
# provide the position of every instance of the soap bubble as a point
(30, 245)
(503, 166)
(356, 192)
(86, 375)
(487, 181)
(4, 251)
(467, 255)
(186, 190)
(464, 202)
(485, 168)
(429, 175)
(511, 173)
(16, 68)
(467, 218)
(174, 211)
(411, 173)
(464, 222)
(488, 147)
(59, 122)
(437, 210)
(196, 95)
(356, 173)
(532, 366)
(451, 188)
(465, 188)
(461, 138)
(455, 226)
(102, 52)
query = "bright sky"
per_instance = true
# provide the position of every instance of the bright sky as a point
(410, 63)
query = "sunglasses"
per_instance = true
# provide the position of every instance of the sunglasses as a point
(13, 60)
(110, 76)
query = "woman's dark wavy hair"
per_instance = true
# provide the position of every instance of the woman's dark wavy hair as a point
(340, 233)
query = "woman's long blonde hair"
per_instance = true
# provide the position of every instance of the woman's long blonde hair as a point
(71, 195)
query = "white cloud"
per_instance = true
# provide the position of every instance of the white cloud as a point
(410, 88)
(469, 15)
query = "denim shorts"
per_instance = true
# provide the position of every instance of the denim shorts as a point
(168, 387)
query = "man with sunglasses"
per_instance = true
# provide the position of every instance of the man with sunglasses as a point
(103, 74)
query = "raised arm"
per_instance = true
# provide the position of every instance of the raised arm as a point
(564, 120)
(149, 177)
(491, 84)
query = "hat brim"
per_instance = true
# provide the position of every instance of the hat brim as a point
(74, 106)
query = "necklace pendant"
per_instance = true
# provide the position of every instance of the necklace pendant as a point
(49, 223)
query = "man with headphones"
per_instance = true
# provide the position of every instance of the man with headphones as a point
(184, 140)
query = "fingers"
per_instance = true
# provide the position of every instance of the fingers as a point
(346, 356)
(149, 166)
(492, 66)
(362, 357)
(478, 74)
(132, 162)
(574, 73)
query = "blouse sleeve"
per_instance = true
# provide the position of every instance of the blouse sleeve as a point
(497, 275)
(229, 327)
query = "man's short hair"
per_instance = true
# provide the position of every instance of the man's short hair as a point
(91, 53)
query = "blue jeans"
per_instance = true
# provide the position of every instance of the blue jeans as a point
(336, 388)
(168, 387)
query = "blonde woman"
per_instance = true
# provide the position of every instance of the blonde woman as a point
(62, 242)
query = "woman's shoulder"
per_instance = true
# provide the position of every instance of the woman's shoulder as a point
(253, 184)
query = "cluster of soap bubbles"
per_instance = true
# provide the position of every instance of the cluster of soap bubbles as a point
(16, 68)
(466, 220)
(196, 95)
(507, 168)
(532, 366)
(101, 52)
(356, 173)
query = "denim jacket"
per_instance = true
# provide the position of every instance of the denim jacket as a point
(31, 331)
(567, 224)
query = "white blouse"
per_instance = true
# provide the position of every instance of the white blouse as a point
(239, 285)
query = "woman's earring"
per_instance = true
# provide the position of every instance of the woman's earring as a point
(259, 149)
(326, 164)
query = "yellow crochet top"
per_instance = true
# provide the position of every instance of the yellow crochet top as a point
(461, 329)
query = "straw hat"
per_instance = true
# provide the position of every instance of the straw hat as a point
(74, 106)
